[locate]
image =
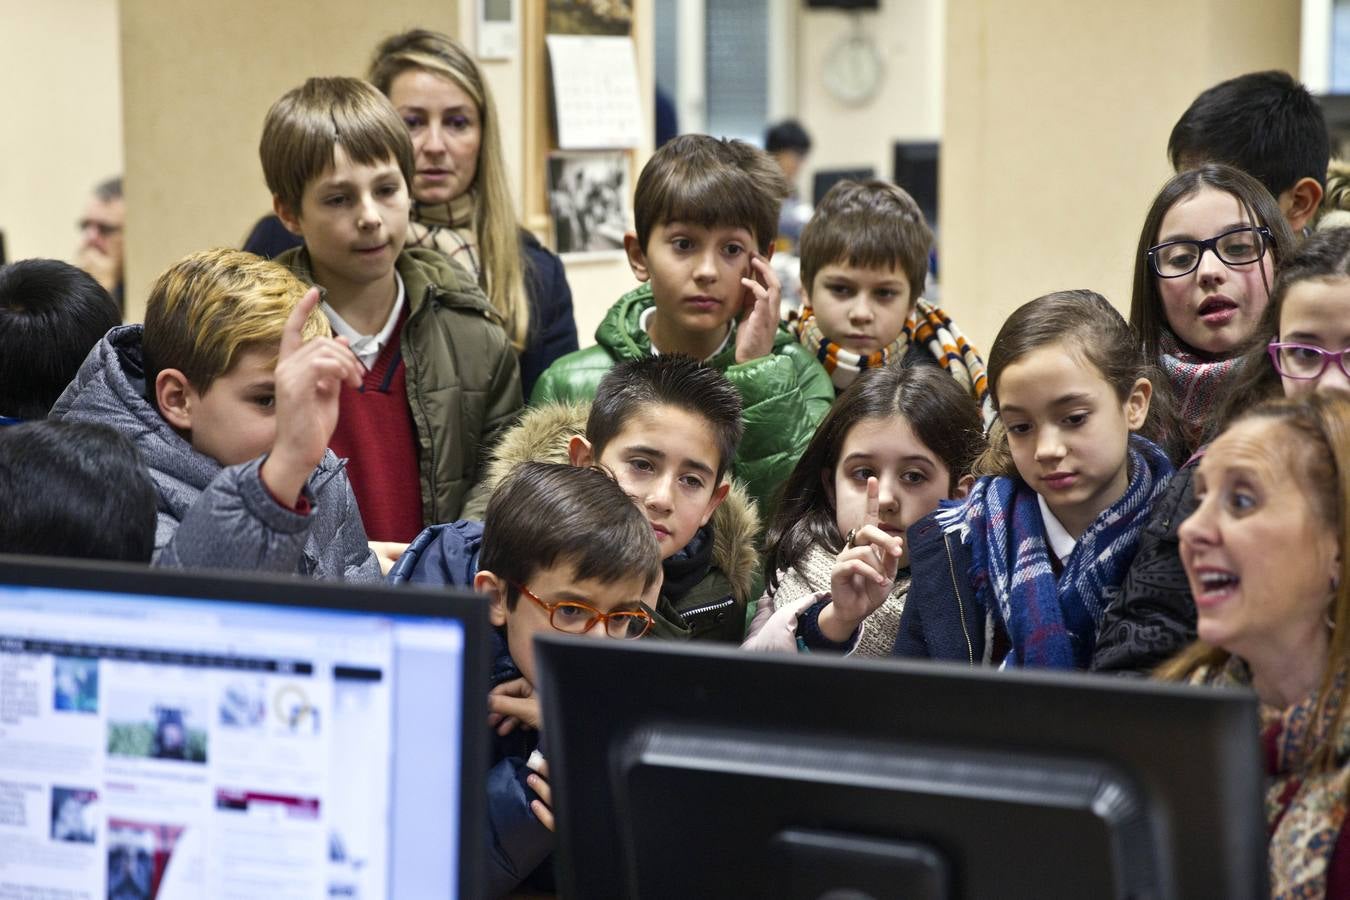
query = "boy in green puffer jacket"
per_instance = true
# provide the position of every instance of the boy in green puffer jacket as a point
(706, 212)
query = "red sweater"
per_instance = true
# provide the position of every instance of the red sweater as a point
(376, 432)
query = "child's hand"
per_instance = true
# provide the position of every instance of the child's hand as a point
(513, 703)
(863, 574)
(387, 552)
(763, 299)
(538, 782)
(309, 378)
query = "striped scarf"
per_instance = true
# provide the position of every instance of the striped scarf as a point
(447, 227)
(843, 365)
(927, 325)
(1197, 383)
(932, 327)
(1053, 622)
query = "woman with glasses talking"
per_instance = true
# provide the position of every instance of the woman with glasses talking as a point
(1300, 345)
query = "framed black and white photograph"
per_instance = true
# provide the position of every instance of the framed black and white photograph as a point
(588, 201)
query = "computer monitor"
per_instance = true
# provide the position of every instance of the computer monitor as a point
(825, 179)
(170, 735)
(697, 772)
(916, 170)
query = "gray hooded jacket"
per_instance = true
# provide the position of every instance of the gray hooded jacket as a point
(209, 516)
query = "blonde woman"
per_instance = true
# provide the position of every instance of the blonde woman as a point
(1267, 558)
(462, 202)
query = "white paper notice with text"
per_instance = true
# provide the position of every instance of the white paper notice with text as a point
(595, 91)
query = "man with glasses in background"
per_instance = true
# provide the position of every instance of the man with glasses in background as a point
(100, 250)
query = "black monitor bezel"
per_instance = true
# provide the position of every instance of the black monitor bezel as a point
(467, 607)
(619, 681)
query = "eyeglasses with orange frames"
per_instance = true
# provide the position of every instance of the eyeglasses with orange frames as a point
(575, 617)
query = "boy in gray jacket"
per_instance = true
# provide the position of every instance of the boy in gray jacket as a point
(230, 392)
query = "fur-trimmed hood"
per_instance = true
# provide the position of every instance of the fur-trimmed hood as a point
(542, 435)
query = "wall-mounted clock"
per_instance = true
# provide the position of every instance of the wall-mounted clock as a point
(853, 69)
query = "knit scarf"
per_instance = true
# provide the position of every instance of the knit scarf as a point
(811, 575)
(1053, 622)
(1305, 807)
(843, 365)
(1197, 382)
(933, 328)
(448, 227)
(929, 326)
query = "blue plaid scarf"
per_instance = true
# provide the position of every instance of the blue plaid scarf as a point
(1053, 622)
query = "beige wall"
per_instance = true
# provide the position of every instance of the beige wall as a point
(62, 130)
(908, 106)
(197, 81)
(1055, 134)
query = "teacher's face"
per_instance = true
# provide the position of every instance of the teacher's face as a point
(1259, 551)
(446, 128)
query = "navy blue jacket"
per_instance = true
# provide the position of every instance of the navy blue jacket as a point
(441, 554)
(942, 619)
(553, 330)
(518, 843)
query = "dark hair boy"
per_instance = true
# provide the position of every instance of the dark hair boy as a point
(51, 316)
(561, 548)
(74, 489)
(1267, 125)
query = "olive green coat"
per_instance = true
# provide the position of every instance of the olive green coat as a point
(463, 381)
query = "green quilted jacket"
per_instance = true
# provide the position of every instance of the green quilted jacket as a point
(786, 393)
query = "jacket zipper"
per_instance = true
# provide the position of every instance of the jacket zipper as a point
(960, 605)
(410, 363)
(711, 607)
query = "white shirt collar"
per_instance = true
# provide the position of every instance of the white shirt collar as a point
(1060, 541)
(644, 322)
(367, 347)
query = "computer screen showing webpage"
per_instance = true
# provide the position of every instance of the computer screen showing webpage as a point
(155, 747)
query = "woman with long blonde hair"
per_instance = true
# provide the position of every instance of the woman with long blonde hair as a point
(462, 202)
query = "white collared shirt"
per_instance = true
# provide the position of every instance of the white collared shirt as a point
(367, 347)
(644, 322)
(1060, 541)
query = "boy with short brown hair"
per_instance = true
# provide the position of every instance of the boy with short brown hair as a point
(706, 212)
(560, 548)
(864, 265)
(440, 376)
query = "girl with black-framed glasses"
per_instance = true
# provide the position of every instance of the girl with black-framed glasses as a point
(1206, 259)
(1299, 347)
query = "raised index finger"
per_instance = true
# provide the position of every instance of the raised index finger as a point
(872, 515)
(291, 335)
